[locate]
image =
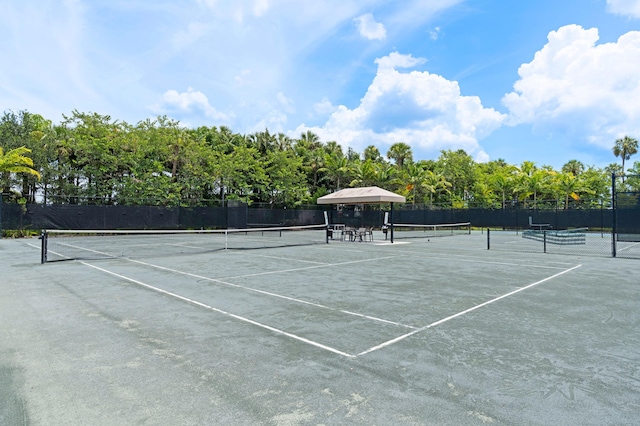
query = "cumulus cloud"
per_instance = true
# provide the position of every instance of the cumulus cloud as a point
(576, 86)
(324, 107)
(369, 28)
(421, 109)
(624, 7)
(191, 101)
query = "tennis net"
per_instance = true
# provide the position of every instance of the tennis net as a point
(100, 244)
(405, 230)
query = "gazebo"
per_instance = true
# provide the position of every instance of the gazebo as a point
(365, 195)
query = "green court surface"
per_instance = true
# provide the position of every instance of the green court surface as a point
(437, 331)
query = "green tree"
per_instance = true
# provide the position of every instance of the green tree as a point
(634, 180)
(31, 131)
(569, 186)
(458, 168)
(336, 168)
(315, 165)
(400, 153)
(624, 148)
(372, 153)
(415, 177)
(286, 181)
(365, 173)
(532, 182)
(503, 181)
(574, 167)
(435, 184)
(386, 176)
(17, 161)
(308, 141)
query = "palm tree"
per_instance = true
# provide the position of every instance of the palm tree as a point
(503, 182)
(315, 164)
(337, 168)
(310, 140)
(435, 183)
(415, 176)
(283, 142)
(400, 153)
(332, 147)
(624, 148)
(365, 173)
(372, 153)
(569, 185)
(532, 184)
(16, 161)
(386, 176)
(574, 167)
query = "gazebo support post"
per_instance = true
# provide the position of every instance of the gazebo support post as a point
(391, 220)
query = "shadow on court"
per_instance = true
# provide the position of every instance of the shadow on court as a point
(419, 332)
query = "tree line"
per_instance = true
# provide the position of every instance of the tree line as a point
(92, 158)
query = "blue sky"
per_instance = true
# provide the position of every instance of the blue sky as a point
(545, 81)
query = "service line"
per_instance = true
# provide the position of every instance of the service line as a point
(459, 314)
(220, 311)
(271, 294)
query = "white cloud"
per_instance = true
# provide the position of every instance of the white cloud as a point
(191, 101)
(424, 110)
(238, 9)
(194, 31)
(624, 7)
(369, 28)
(285, 103)
(324, 107)
(434, 34)
(397, 60)
(482, 157)
(576, 87)
(260, 7)
(64, 54)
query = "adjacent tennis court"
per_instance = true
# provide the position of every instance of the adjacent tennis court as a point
(422, 331)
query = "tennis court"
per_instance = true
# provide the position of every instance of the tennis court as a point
(422, 331)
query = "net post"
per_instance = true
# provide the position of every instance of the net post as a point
(327, 230)
(544, 239)
(614, 223)
(488, 239)
(43, 246)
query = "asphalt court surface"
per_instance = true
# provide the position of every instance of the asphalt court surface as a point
(419, 332)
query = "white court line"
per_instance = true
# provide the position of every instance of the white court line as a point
(305, 268)
(220, 311)
(472, 259)
(628, 247)
(268, 293)
(404, 336)
(291, 260)
(291, 299)
(528, 265)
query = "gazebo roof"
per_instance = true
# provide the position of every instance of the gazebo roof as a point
(366, 195)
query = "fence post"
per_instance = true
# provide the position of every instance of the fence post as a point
(614, 223)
